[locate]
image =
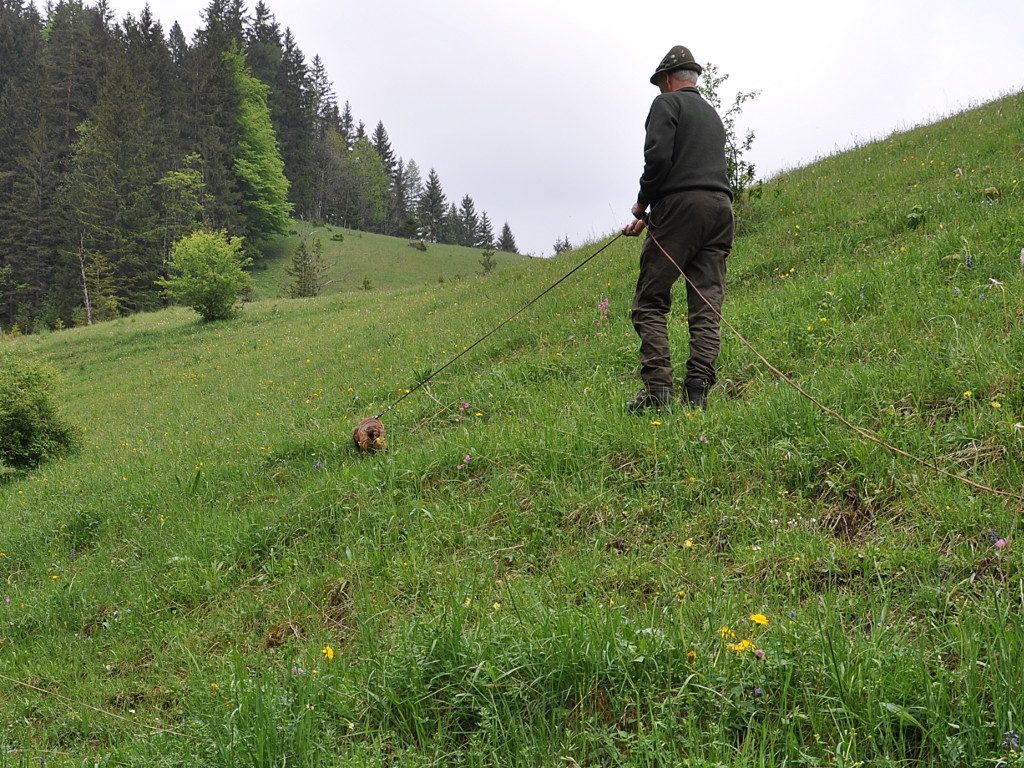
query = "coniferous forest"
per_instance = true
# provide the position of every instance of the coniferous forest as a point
(117, 138)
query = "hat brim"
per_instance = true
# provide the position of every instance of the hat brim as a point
(691, 67)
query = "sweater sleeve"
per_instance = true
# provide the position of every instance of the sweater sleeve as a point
(658, 147)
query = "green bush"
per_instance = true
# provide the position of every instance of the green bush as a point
(31, 429)
(207, 273)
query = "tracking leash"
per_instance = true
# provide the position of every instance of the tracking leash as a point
(864, 433)
(500, 325)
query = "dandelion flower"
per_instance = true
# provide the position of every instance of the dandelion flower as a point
(996, 404)
(742, 646)
(759, 618)
(214, 687)
(328, 652)
(655, 423)
(478, 414)
(727, 633)
(496, 607)
(968, 394)
(688, 544)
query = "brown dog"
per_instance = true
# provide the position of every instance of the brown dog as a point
(369, 436)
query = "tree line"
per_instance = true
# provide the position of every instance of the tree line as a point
(117, 139)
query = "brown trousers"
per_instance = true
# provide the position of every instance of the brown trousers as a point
(696, 228)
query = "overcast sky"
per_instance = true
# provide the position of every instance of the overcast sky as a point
(536, 107)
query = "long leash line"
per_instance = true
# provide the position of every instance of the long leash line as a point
(107, 713)
(864, 433)
(500, 325)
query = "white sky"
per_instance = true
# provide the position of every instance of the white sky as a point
(536, 107)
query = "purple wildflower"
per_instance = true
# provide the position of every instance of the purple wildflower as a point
(758, 693)
(1011, 740)
(759, 653)
(464, 407)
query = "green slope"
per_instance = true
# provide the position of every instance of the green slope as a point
(386, 262)
(568, 596)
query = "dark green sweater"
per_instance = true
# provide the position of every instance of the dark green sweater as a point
(685, 147)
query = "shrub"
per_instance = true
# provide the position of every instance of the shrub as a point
(207, 273)
(31, 429)
(419, 245)
(338, 237)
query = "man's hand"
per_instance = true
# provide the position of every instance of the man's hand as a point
(634, 228)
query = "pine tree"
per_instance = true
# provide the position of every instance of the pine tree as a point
(485, 234)
(258, 163)
(507, 242)
(307, 270)
(431, 209)
(469, 223)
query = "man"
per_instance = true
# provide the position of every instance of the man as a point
(686, 184)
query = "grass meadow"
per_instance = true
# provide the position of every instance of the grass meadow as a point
(529, 576)
(366, 261)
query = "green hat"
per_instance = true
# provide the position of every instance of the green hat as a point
(677, 58)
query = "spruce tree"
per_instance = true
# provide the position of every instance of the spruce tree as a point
(292, 113)
(369, 188)
(382, 144)
(431, 209)
(469, 223)
(347, 126)
(507, 242)
(263, 45)
(308, 270)
(485, 233)
(451, 226)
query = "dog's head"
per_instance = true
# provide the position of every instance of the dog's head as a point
(369, 436)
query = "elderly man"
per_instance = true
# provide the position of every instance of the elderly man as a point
(686, 184)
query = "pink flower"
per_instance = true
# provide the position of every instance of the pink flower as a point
(466, 459)
(759, 653)
(7, 600)
(1000, 543)
(464, 407)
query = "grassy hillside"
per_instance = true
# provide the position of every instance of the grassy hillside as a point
(386, 262)
(539, 579)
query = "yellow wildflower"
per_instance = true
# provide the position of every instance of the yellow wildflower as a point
(727, 633)
(655, 423)
(467, 602)
(496, 606)
(691, 656)
(688, 544)
(741, 646)
(759, 618)
(214, 687)
(968, 394)
(328, 652)
(996, 404)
